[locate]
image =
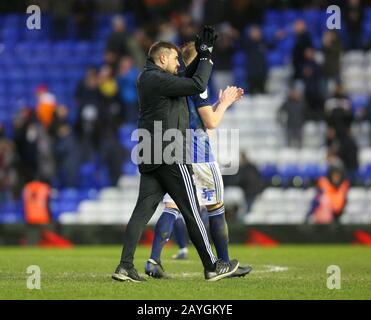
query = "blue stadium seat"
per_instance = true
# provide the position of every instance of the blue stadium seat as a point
(54, 208)
(10, 218)
(310, 172)
(88, 175)
(68, 206)
(3, 103)
(125, 132)
(9, 35)
(43, 49)
(34, 35)
(99, 47)
(103, 178)
(15, 74)
(359, 102)
(367, 29)
(289, 172)
(14, 19)
(289, 16)
(129, 168)
(286, 45)
(25, 48)
(240, 76)
(312, 18)
(268, 171)
(18, 90)
(82, 48)
(368, 14)
(365, 174)
(63, 48)
(130, 22)
(103, 20)
(269, 33)
(103, 33)
(88, 194)
(239, 58)
(273, 17)
(69, 194)
(275, 58)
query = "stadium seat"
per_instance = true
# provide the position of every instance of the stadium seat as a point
(129, 168)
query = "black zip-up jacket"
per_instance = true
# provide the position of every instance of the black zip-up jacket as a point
(162, 97)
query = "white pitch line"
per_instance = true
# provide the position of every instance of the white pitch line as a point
(272, 269)
(269, 268)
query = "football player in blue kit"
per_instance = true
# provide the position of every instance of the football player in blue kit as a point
(207, 176)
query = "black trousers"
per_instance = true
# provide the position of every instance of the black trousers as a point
(175, 179)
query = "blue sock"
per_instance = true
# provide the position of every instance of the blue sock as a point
(163, 230)
(205, 217)
(219, 232)
(180, 233)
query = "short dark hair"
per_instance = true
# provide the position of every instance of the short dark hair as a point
(157, 48)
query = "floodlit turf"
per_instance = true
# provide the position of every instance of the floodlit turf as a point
(284, 272)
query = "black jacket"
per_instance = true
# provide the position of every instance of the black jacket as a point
(162, 97)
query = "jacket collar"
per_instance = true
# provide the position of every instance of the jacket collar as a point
(151, 65)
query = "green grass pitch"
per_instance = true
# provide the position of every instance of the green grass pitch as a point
(284, 272)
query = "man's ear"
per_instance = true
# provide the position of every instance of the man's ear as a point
(163, 59)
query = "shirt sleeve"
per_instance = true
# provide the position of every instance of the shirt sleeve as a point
(202, 99)
(174, 86)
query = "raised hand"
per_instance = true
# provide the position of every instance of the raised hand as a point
(205, 43)
(230, 95)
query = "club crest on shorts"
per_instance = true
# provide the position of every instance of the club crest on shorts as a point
(208, 193)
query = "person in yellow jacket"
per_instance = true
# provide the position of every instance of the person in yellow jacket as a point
(36, 202)
(330, 200)
(36, 210)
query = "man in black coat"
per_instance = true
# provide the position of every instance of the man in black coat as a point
(162, 106)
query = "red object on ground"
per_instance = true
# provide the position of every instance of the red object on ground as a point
(362, 237)
(259, 238)
(53, 240)
(147, 237)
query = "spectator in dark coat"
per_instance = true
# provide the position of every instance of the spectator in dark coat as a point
(66, 149)
(313, 84)
(331, 49)
(292, 117)
(25, 138)
(257, 68)
(250, 180)
(223, 53)
(83, 12)
(338, 111)
(7, 166)
(88, 125)
(353, 14)
(120, 43)
(302, 42)
(127, 79)
(344, 147)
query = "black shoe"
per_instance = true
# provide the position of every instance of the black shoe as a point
(241, 272)
(222, 270)
(124, 274)
(154, 269)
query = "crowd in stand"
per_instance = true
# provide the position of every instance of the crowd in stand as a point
(47, 145)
